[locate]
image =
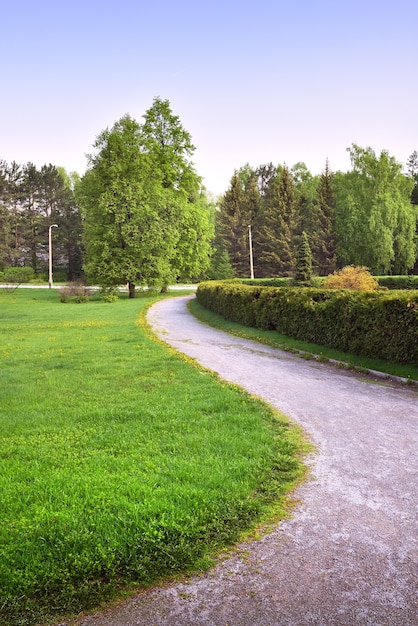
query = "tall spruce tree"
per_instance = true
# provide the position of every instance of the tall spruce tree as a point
(303, 275)
(326, 251)
(6, 239)
(277, 234)
(412, 168)
(232, 226)
(253, 210)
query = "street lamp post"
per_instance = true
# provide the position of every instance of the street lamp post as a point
(250, 242)
(50, 253)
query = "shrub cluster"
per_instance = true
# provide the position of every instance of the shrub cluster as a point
(74, 292)
(15, 276)
(351, 277)
(375, 324)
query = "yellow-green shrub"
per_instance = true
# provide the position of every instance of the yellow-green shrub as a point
(351, 277)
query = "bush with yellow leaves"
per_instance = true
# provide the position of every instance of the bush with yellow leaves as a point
(351, 277)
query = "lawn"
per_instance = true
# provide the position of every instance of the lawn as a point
(120, 462)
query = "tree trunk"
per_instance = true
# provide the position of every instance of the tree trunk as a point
(131, 288)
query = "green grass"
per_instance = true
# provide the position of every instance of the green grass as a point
(308, 350)
(120, 462)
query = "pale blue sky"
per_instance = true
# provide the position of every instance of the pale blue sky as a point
(251, 81)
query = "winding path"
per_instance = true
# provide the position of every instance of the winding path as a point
(349, 554)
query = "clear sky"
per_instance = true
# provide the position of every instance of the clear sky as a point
(253, 82)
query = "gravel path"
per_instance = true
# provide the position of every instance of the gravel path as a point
(349, 555)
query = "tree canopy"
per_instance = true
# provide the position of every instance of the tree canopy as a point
(146, 221)
(367, 216)
(31, 199)
(374, 213)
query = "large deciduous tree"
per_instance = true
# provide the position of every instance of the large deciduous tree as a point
(375, 218)
(145, 220)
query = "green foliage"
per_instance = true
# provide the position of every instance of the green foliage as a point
(303, 276)
(120, 463)
(276, 236)
(367, 216)
(146, 222)
(12, 277)
(109, 294)
(351, 277)
(238, 209)
(398, 282)
(170, 147)
(326, 238)
(380, 325)
(220, 266)
(268, 282)
(30, 200)
(374, 215)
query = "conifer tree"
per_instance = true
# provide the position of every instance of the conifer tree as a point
(5, 220)
(325, 252)
(232, 225)
(412, 165)
(240, 207)
(308, 220)
(277, 256)
(303, 276)
(252, 209)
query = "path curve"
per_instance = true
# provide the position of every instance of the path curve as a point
(349, 555)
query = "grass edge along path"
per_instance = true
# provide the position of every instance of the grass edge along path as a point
(403, 373)
(121, 464)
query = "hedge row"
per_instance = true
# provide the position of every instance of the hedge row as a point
(398, 282)
(375, 324)
(390, 282)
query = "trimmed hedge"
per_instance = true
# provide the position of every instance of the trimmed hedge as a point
(398, 282)
(389, 282)
(380, 325)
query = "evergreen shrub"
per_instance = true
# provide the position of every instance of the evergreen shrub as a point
(374, 324)
(398, 282)
(284, 281)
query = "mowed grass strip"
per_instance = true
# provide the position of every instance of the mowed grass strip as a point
(120, 463)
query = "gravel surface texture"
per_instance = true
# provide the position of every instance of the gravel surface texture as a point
(349, 554)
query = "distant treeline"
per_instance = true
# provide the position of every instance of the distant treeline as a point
(32, 199)
(367, 216)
